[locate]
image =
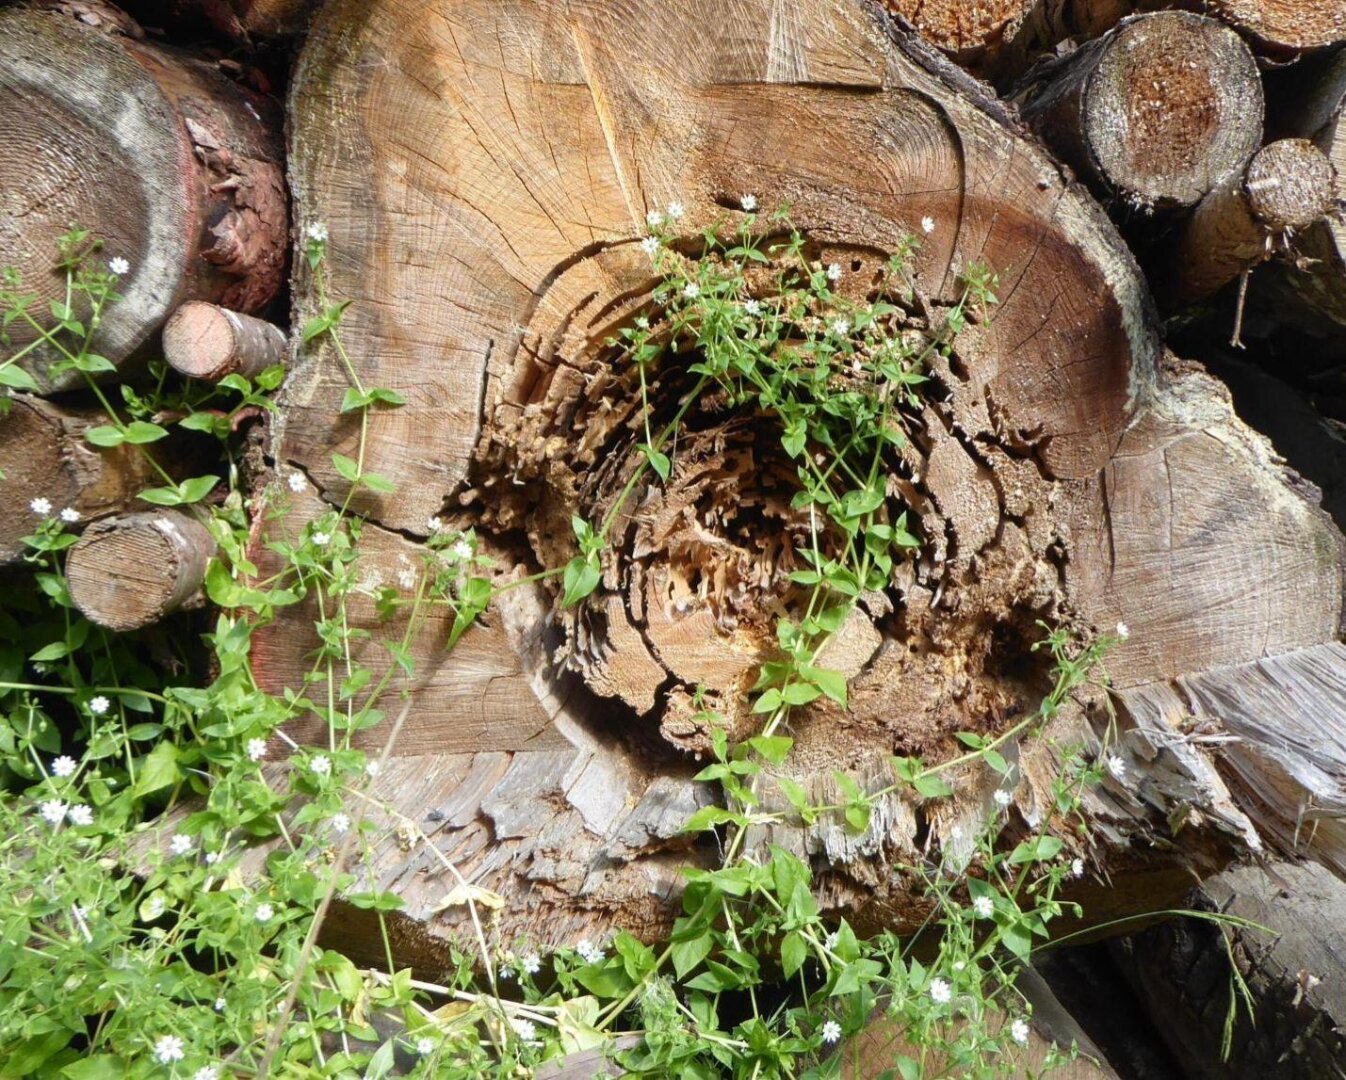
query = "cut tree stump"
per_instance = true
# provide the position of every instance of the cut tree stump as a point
(485, 169)
(176, 168)
(129, 571)
(1288, 186)
(1296, 975)
(44, 455)
(206, 341)
(1155, 113)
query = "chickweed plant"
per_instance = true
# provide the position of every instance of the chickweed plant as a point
(133, 949)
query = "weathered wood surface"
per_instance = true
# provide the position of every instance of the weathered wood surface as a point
(1296, 975)
(44, 455)
(129, 571)
(1153, 114)
(1068, 472)
(175, 167)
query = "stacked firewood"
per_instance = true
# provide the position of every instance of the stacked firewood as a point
(1125, 166)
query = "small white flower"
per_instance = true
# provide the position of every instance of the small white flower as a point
(119, 266)
(1003, 798)
(589, 952)
(752, 307)
(691, 290)
(1116, 766)
(219, 1004)
(504, 974)
(406, 577)
(956, 833)
(1019, 1031)
(40, 506)
(841, 327)
(675, 210)
(650, 245)
(63, 766)
(321, 765)
(831, 1031)
(927, 225)
(959, 965)
(168, 1049)
(340, 823)
(321, 539)
(70, 515)
(207, 1072)
(155, 907)
(80, 815)
(462, 550)
(39, 667)
(940, 991)
(654, 219)
(833, 271)
(373, 768)
(1077, 868)
(53, 810)
(433, 525)
(212, 857)
(99, 705)
(830, 942)
(180, 844)
(317, 232)
(983, 907)
(264, 913)
(297, 482)
(531, 964)
(748, 202)
(425, 1046)
(1123, 631)
(256, 749)
(523, 1028)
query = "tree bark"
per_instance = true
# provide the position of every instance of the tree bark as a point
(131, 570)
(173, 166)
(44, 455)
(1296, 975)
(1067, 471)
(1155, 113)
(206, 341)
(1289, 186)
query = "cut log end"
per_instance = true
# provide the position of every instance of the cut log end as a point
(130, 571)
(1286, 27)
(1156, 112)
(205, 341)
(1290, 185)
(961, 29)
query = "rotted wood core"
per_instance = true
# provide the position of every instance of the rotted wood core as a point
(174, 167)
(698, 573)
(206, 341)
(129, 571)
(1156, 112)
(1287, 187)
(966, 31)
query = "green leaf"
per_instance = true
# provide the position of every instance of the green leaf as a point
(931, 787)
(104, 435)
(158, 770)
(772, 747)
(794, 951)
(16, 378)
(658, 462)
(376, 482)
(832, 683)
(346, 467)
(710, 816)
(353, 399)
(381, 1064)
(581, 578)
(162, 496)
(686, 955)
(55, 651)
(139, 432)
(197, 488)
(99, 1067)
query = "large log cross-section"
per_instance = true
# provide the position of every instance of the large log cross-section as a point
(485, 168)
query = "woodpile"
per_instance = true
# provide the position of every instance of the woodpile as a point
(485, 178)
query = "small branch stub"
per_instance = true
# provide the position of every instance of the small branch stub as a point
(1156, 112)
(130, 571)
(205, 341)
(1288, 186)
